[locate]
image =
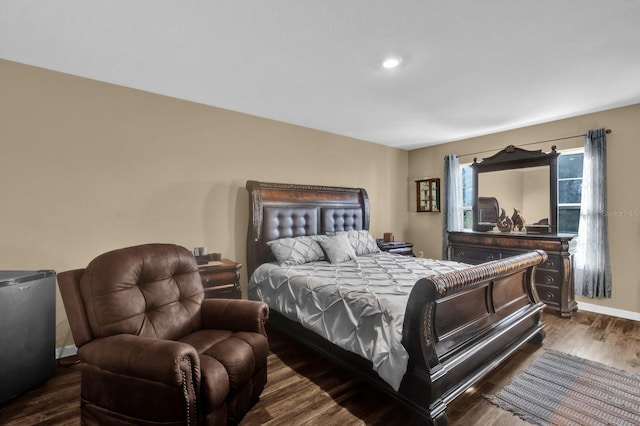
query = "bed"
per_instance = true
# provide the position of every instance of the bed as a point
(438, 327)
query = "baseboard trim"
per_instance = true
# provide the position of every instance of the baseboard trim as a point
(620, 313)
(66, 351)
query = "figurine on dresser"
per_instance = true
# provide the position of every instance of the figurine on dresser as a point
(504, 223)
(518, 220)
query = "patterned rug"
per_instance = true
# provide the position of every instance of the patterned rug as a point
(562, 389)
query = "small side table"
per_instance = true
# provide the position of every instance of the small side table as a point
(397, 247)
(221, 279)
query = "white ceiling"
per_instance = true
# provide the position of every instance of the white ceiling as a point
(469, 67)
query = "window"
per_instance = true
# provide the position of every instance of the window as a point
(569, 190)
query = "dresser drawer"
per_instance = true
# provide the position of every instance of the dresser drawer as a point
(227, 277)
(474, 255)
(507, 240)
(406, 251)
(221, 279)
(229, 291)
(396, 247)
(548, 277)
(552, 262)
(549, 294)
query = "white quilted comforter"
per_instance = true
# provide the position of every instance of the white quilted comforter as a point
(358, 305)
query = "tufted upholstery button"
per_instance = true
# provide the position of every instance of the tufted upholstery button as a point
(341, 219)
(125, 284)
(283, 222)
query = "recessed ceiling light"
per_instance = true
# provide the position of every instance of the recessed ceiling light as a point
(391, 62)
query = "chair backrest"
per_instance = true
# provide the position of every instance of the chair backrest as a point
(151, 290)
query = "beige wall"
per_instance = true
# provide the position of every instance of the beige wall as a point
(88, 167)
(425, 229)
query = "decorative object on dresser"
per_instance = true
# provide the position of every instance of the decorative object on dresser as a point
(396, 247)
(221, 279)
(541, 227)
(428, 195)
(202, 257)
(445, 327)
(553, 278)
(488, 211)
(504, 223)
(518, 221)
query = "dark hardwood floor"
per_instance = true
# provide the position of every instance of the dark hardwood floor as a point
(304, 389)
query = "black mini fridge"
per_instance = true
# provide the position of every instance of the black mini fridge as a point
(27, 330)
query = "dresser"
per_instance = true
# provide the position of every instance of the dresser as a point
(553, 278)
(221, 279)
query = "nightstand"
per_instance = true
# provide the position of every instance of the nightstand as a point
(221, 279)
(397, 247)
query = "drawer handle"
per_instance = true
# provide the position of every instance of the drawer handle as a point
(548, 295)
(490, 257)
(460, 252)
(548, 263)
(548, 279)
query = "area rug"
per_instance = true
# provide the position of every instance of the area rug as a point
(562, 389)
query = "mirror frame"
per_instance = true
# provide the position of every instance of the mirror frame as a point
(513, 157)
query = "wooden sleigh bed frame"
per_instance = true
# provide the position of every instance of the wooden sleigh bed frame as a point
(458, 326)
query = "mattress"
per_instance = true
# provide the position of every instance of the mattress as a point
(358, 305)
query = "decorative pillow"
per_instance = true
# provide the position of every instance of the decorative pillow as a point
(296, 251)
(361, 241)
(337, 248)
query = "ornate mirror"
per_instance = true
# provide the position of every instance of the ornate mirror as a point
(516, 179)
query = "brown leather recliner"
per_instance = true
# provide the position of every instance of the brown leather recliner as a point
(153, 350)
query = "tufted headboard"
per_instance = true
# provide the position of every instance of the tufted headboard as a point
(280, 210)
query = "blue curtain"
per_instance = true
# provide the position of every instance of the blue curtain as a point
(451, 217)
(592, 268)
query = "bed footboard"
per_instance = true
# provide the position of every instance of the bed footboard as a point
(461, 325)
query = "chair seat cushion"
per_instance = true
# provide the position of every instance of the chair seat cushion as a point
(241, 354)
(214, 382)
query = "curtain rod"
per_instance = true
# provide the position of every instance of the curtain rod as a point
(607, 131)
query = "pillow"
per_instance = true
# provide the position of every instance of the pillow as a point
(361, 241)
(337, 248)
(296, 251)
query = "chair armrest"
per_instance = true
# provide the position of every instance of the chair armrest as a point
(235, 315)
(158, 360)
